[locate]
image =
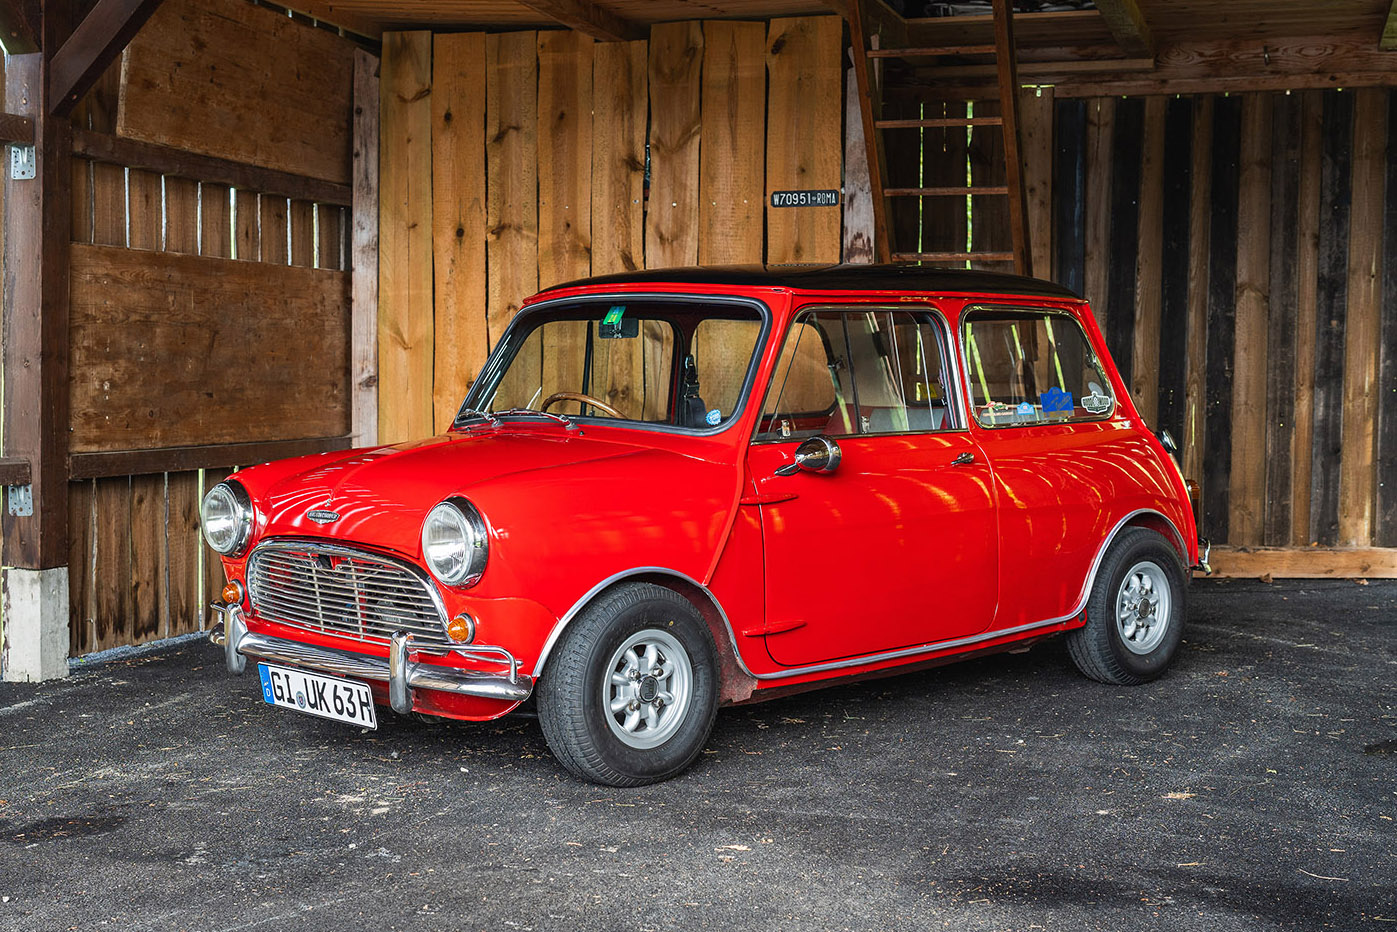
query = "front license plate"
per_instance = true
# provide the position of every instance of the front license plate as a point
(329, 697)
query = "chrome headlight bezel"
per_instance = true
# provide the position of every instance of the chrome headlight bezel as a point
(234, 506)
(455, 543)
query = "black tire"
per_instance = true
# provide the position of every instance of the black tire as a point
(1133, 651)
(576, 691)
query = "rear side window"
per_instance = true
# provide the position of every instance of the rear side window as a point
(1032, 367)
(868, 371)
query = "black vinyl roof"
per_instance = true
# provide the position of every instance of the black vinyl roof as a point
(839, 278)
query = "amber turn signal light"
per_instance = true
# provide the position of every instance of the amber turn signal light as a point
(461, 629)
(233, 593)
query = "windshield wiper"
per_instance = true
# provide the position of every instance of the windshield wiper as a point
(469, 413)
(552, 416)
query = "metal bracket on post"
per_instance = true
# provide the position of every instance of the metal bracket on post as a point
(20, 499)
(24, 162)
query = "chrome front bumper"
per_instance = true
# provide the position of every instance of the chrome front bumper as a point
(400, 671)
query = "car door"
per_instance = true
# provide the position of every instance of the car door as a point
(893, 547)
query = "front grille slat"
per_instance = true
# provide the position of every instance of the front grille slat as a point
(342, 591)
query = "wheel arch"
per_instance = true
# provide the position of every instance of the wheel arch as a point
(1146, 518)
(736, 681)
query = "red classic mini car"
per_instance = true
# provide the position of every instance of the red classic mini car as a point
(672, 490)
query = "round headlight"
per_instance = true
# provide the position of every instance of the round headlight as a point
(226, 516)
(455, 543)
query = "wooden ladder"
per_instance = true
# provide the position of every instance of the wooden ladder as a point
(871, 24)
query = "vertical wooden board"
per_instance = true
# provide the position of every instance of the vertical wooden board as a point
(990, 229)
(860, 238)
(1069, 193)
(1177, 186)
(81, 539)
(361, 255)
(1126, 154)
(671, 218)
(405, 314)
(215, 221)
(247, 233)
(620, 99)
(1101, 115)
(329, 220)
(181, 216)
(303, 234)
(108, 204)
(1286, 129)
(1199, 248)
(144, 205)
(182, 542)
(1247, 486)
(461, 339)
(114, 609)
(1222, 308)
(803, 148)
(511, 164)
(1385, 534)
(1331, 309)
(564, 156)
(148, 557)
(1357, 465)
(81, 200)
(273, 228)
(731, 158)
(1149, 257)
(1036, 134)
(1306, 311)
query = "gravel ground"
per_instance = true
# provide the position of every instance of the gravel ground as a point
(1254, 787)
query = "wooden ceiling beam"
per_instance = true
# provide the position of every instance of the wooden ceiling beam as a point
(326, 11)
(588, 19)
(94, 44)
(19, 26)
(1389, 30)
(1127, 24)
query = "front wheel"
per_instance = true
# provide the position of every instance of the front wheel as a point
(1135, 615)
(631, 691)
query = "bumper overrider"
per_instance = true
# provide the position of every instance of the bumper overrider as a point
(400, 671)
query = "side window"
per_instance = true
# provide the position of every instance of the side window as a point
(872, 371)
(1032, 367)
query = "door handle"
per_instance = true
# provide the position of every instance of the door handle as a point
(965, 459)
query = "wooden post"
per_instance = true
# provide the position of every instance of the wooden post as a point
(1005, 56)
(363, 255)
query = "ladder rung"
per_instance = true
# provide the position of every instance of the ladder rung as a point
(937, 51)
(985, 190)
(932, 124)
(953, 256)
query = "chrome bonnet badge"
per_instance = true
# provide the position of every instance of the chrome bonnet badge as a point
(322, 515)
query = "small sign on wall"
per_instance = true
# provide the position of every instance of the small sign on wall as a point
(829, 198)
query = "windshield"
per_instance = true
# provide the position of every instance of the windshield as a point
(681, 364)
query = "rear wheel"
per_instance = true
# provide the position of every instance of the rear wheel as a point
(631, 691)
(1135, 615)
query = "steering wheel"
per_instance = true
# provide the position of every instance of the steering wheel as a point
(584, 399)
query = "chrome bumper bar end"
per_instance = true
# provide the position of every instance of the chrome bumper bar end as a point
(1205, 550)
(399, 671)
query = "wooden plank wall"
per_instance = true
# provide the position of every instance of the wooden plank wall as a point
(1239, 252)
(537, 143)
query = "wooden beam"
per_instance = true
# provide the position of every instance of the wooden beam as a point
(588, 19)
(16, 128)
(1389, 30)
(1128, 26)
(148, 156)
(210, 456)
(330, 13)
(363, 255)
(14, 471)
(19, 26)
(1007, 64)
(94, 44)
(870, 110)
(1304, 563)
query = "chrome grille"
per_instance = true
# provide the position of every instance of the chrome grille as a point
(342, 591)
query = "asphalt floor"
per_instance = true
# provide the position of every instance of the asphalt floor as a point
(1253, 787)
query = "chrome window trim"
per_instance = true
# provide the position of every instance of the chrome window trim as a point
(969, 390)
(950, 358)
(491, 372)
(864, 659)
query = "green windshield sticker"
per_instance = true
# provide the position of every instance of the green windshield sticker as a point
(613, 316)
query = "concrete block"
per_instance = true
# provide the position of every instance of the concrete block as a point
(34, 645)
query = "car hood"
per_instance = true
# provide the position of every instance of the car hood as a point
(381, 495)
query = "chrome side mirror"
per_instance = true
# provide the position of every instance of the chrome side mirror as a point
(818, 454)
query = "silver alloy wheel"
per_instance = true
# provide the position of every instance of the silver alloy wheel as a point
(648, 688)
(1143, 607)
